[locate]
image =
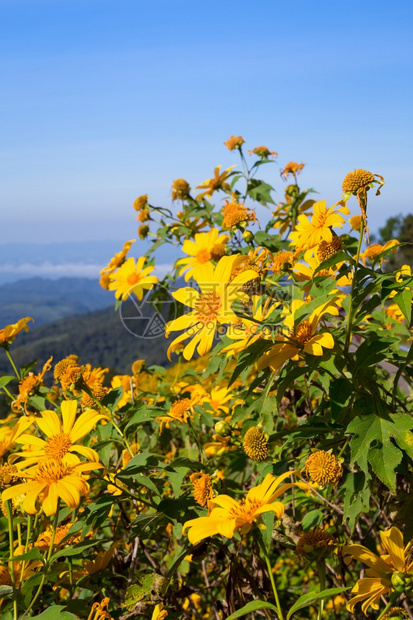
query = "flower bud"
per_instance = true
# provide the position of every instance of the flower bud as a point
(248, 236)
(223, 428)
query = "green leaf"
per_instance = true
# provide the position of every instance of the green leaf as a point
(340, 392)
(314, 597)
(252, 606)
(33, 554)
(404, 301)
(55, 612)
(340, 257)
(141, 416)
(356, 498)
(112, 398)
(5, 380)
(391, 434)
(5, 591)
(371, 352)
(144, 525)
(260, 191)
(312, 519)
(75, 550)
(150, 582)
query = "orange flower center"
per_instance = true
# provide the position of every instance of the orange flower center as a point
(207, 307)
(51, 471)
(203, 256)
(179, 409)
(304, 333)
(133, 279)
(58, 446)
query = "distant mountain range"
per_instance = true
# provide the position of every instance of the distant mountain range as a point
(49, 300)
(98, 338)
(75, 315)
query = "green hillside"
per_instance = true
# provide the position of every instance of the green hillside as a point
(48, 300)
(97, 337)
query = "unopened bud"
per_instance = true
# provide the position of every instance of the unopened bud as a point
(223, 428)
(247, 236)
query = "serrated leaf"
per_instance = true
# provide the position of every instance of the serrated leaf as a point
(250, 607)
(391, 433)
(260, 191)
(313, 597)
(356, 498)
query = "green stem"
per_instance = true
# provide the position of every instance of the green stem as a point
(47, 563)
(9, 509)
(271, 575)
(321, 568)
(12, 363)
(390, 604)
(353, 284)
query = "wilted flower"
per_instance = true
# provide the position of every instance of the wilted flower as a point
(234, 142)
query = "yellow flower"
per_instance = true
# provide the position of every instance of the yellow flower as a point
(309, 233)
(131, 278)
(255, 444)
(303, 271)
(180, 189)
(27, 387)
(205, 247)
(202, 488)
(236, 213)
(180, 411)
(216, 183)
(118, 259)
(263, 152)
(301, 337)
(140, 202)
(291, 168)
(385, 573)
(234, 142)
(327, 249)
(218, 399)
(9, 435)
(315, 543)
(372, 251)
(210, 307)
(8, 333)
(323, 468)
(45, 538)
(248, 331)
(159, 613)
(282, 262)
(62, 435)
(99, 612)
(231, 515)
(219, 445)
(355, 222)
(47, 482)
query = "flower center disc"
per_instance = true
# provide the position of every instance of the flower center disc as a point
(203, 256)
(304, 333)
(58, 446)
(208, 306)
(133, 279)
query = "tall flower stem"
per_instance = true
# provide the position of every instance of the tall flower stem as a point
(353, 285)
(9, 509)
(12, 363)
(271, 575)
(321, 569)
(46, 565)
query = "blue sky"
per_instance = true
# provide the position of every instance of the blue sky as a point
(104, 100)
